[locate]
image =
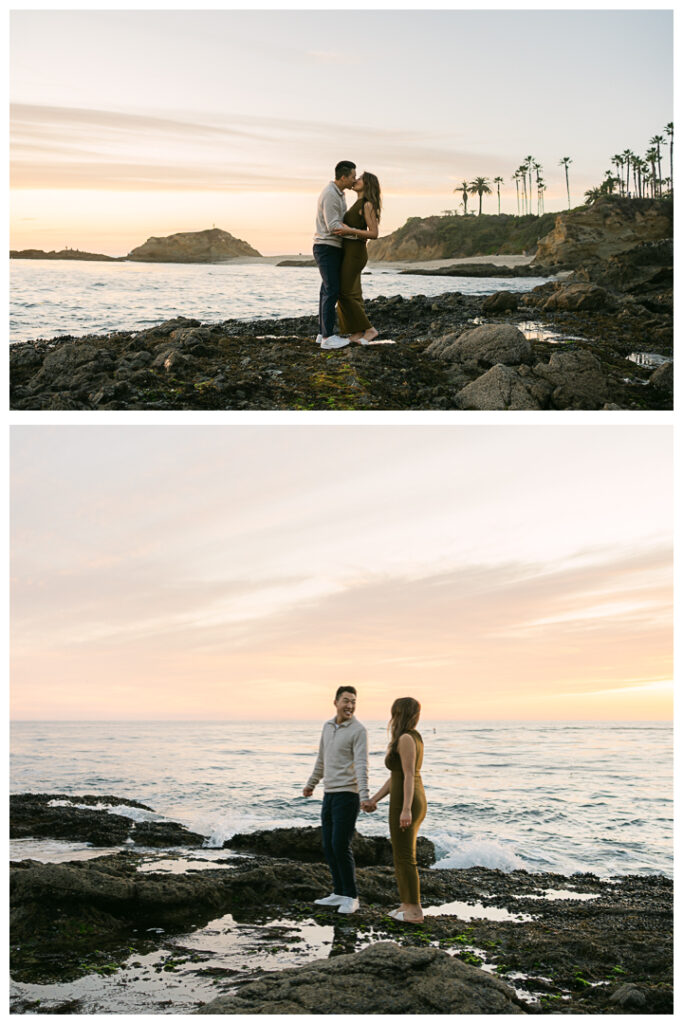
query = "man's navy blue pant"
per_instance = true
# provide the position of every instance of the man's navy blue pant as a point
(339, 814)
(329, 259)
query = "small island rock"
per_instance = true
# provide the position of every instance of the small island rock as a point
(192, 247)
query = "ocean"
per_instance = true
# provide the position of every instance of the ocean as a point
(577, 797)
(57, 297)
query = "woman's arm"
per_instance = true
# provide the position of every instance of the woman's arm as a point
(381, 792)
(370, 220)
(408, 753)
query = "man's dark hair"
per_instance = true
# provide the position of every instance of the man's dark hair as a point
(343, 168)
(345, 689)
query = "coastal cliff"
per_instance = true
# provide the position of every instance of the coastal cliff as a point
(192, 247)
(611, 226)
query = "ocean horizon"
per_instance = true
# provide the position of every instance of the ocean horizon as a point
(543, 796)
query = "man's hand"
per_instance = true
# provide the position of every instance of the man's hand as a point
(342, 231)
(308, 790)
(368, 806)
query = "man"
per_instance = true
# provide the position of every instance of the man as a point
(327, 249)
(343, 763)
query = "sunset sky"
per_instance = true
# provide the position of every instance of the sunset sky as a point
(244, 572)
(127, 124)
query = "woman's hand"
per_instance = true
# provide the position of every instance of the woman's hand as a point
(406, 819)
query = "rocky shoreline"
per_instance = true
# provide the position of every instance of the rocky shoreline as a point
(580, 336)
(235, 930)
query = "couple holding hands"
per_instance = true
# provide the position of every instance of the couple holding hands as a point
(340, 250)
(343, 764)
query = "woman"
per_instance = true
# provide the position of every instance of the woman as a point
(361, 221)
(407, 804)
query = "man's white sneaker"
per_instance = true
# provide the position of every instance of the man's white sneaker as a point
(318, 339)
(349, 906)
(330, 901)
(334, 341)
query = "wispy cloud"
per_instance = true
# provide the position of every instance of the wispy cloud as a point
(64, 147)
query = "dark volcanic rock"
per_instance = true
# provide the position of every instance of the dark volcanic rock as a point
(504, 387)
(479, 270)
(32, 816)
(381, 979)
(576, 954)
(663, 378)
(305, 844)
(500, 302)
(647, 267)
(486, 345)
(275, 364)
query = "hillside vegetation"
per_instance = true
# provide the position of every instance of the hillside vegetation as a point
(424, 238)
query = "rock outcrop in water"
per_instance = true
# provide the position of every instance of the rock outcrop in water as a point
(209, 246)
(62, 254)
(57, 816)
(305, 844)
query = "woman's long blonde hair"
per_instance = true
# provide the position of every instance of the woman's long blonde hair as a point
(372, 193)
(405, 714)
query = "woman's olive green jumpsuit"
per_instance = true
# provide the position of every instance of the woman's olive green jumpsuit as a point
(350, 309)
(404, 841)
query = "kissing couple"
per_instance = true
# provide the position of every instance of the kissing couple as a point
(340, 250)
(343, 764)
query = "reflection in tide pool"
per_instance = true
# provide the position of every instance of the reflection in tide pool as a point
(648, 359)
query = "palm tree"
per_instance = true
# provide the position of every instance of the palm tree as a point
(566, 160)
(515, 178)
(498, 182)
(523, 168)
(529, 164)
(628, 157)
(480, 187)
(541, 186)
(669, 129)
(637, 165)
(618, 161)
(651, 157)
(538, 168)
(658, 140)
(592, 194)
(464, 188)
(609, 183)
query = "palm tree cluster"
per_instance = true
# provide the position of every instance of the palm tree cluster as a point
(528, 174)
(639, 177)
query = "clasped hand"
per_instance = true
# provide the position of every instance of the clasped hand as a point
(368, 806)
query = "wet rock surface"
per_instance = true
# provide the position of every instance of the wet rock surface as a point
(383, 978)
(575, 944)
(275, 364)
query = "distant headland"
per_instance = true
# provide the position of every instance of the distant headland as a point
(210, 246)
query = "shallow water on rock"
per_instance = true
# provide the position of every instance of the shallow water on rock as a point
(474, 911)
(534, 331)
(649, 359)
(189, 970)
